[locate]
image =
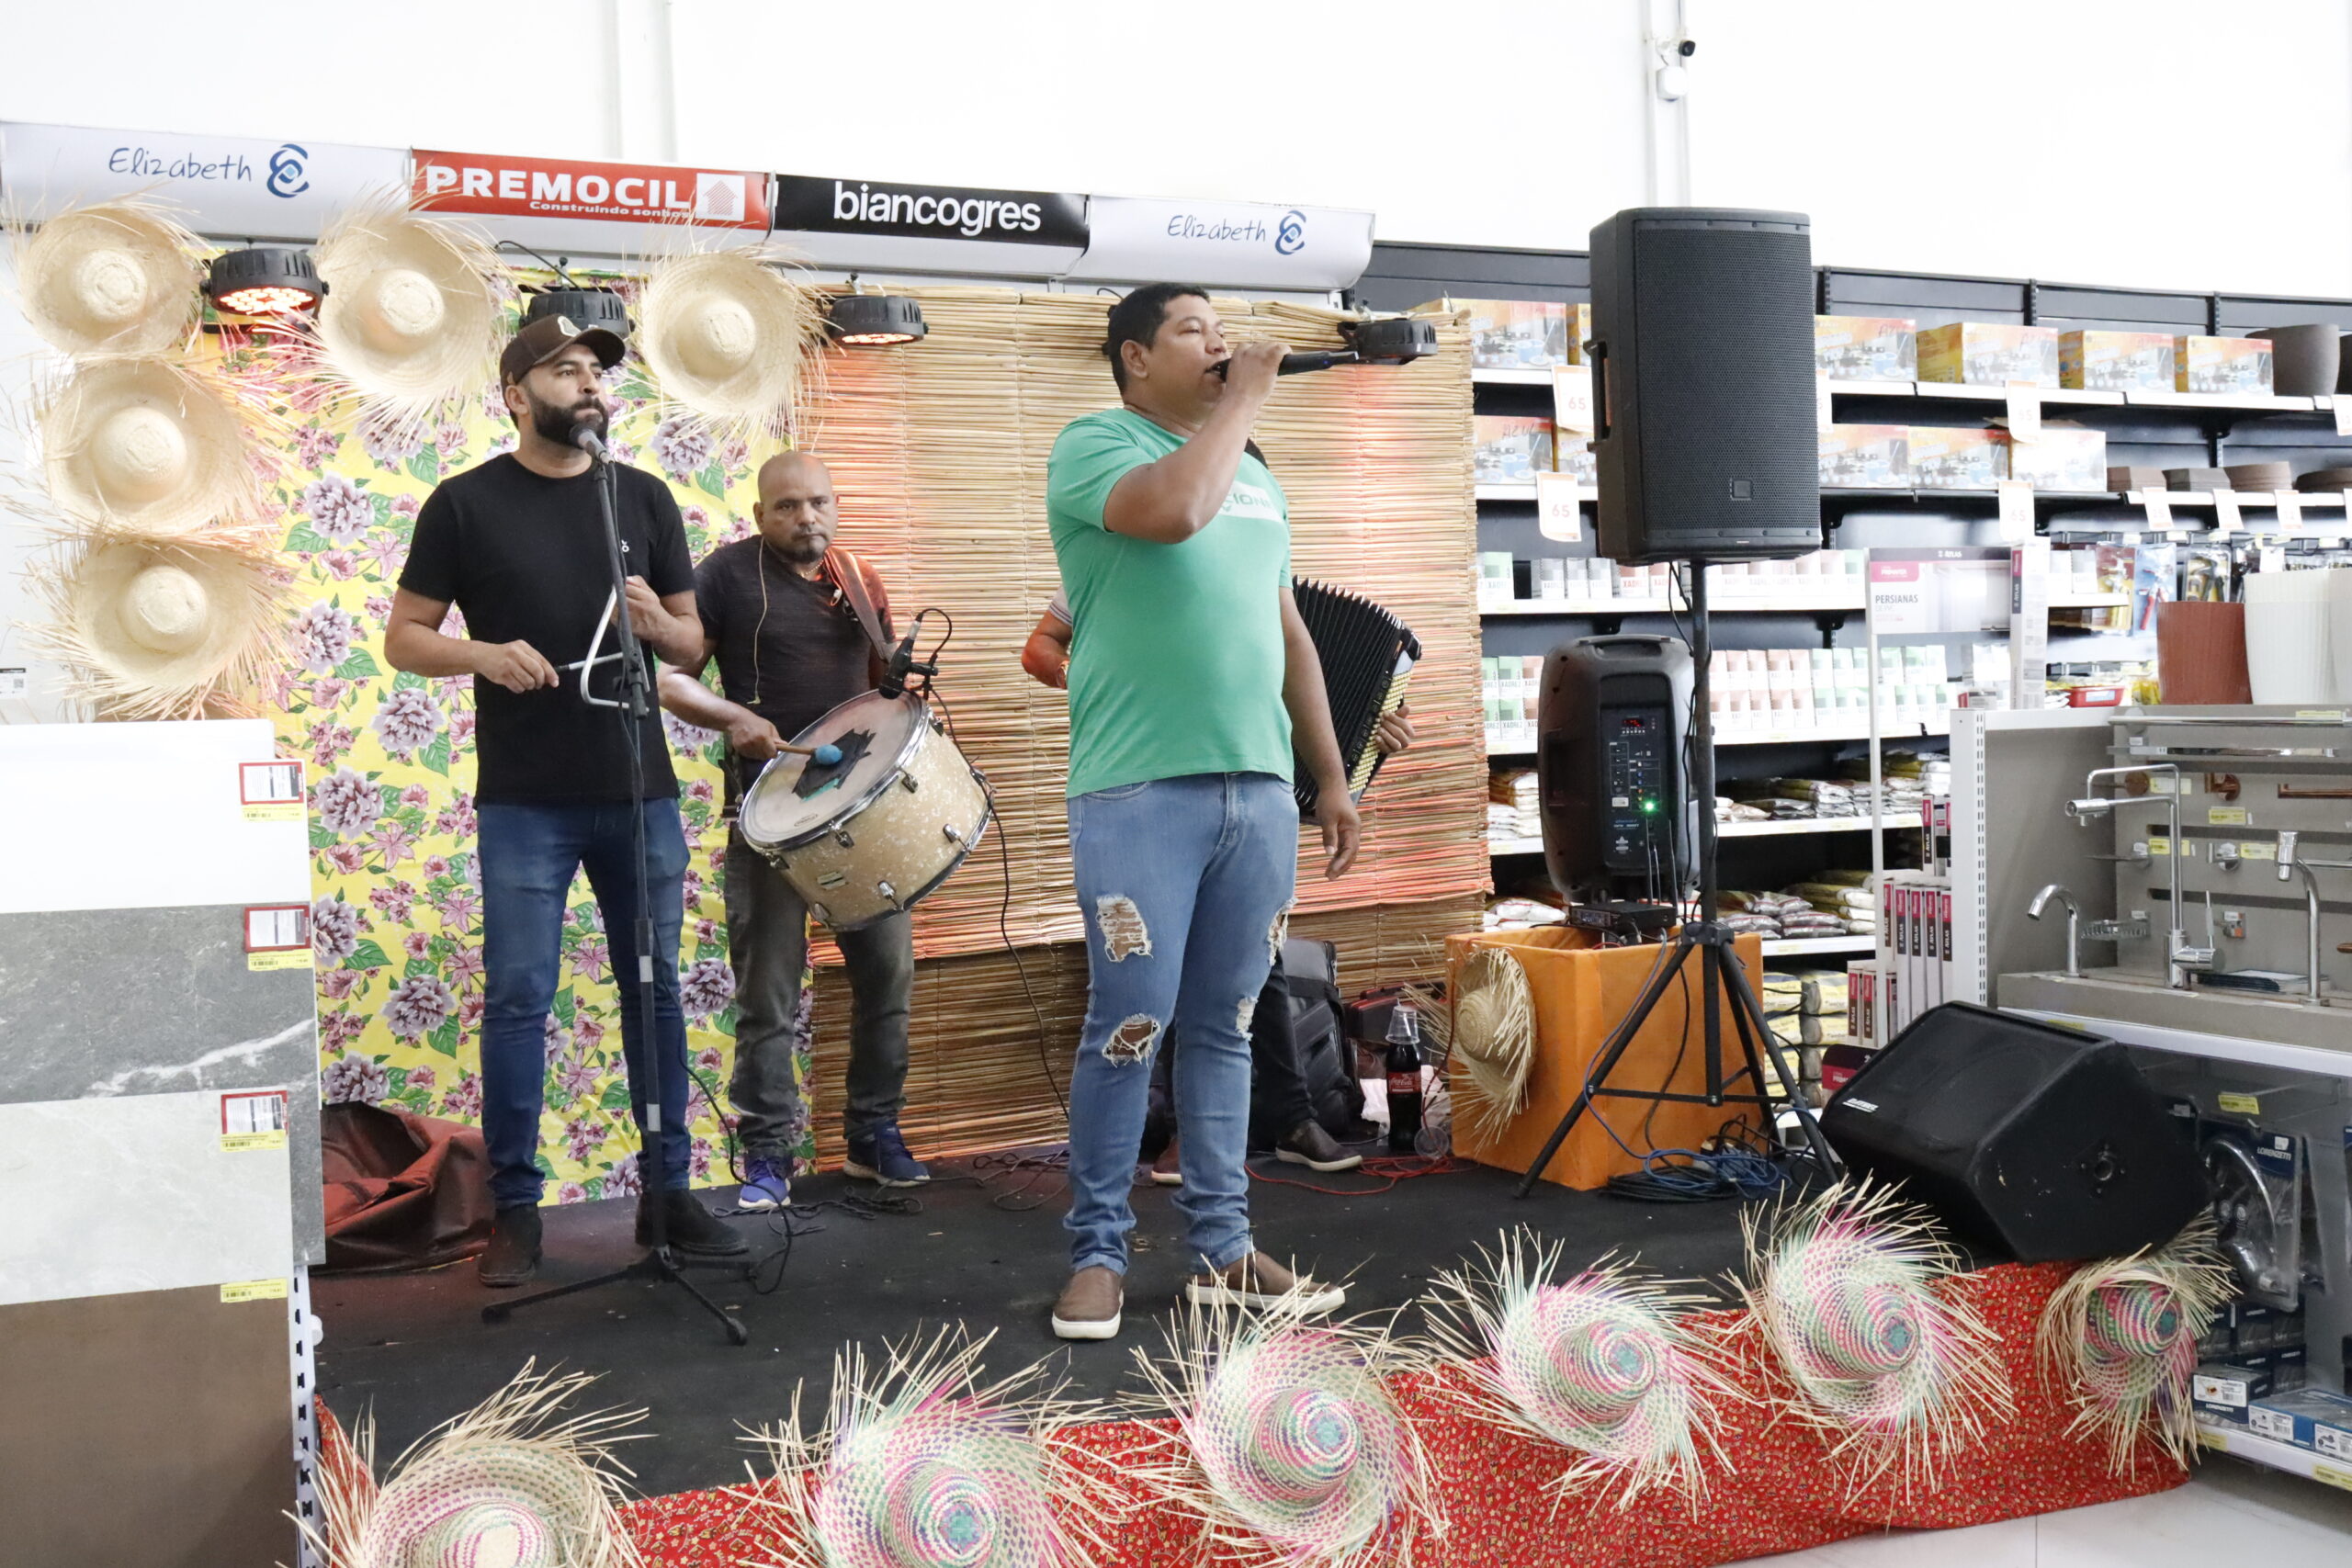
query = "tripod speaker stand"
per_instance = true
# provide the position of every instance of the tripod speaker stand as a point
(1706, 941)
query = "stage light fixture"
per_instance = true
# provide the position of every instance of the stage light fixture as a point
(581, 306)
(875, 321)
(264, 280)
(1390, 340)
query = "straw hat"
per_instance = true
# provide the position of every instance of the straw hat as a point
(145, 444)
(119, 278)
(505, 1483)
(1600, 1364)
(2121, 1335)
(1492, 1034)
(162, 627)
(725, 334)
(413, 314)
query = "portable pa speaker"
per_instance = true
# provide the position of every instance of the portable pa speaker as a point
(1609, 762)
(2046, 1143)
(1704, 394)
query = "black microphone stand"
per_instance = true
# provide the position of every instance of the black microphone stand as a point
(634, 702)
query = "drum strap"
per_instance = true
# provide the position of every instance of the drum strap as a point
(849, 575)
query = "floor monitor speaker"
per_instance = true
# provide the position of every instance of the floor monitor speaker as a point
(2038, 1140)
(1704, 401)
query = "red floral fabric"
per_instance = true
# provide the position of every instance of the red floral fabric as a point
(1777, 1489)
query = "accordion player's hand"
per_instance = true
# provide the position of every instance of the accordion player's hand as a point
(1342, 829)
(1395, 732)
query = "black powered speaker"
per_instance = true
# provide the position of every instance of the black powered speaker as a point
(2045, 1143)
(1610, 724)
(1704, 384)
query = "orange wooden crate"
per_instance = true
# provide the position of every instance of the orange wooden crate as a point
(1580, 990)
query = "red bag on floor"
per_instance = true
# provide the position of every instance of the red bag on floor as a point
(403, 1190)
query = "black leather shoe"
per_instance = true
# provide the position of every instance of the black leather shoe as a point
(694, 1232)
(1308, 1144)
(513, 1253)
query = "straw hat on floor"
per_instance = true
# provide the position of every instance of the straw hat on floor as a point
(146, 445)
(726, 336)
(118, 277)
(414, 312)
(153, 627)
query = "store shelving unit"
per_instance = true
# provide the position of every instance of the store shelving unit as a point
(2277, 1455)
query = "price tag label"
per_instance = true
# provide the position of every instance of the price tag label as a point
(2239, 1104)
(1559, 507)
(2228, 817)
(2227, 519)
(2016, 511)
(2322, 715)
(1572, 400)
(270, 792)
(2257, 851)
(2025, 412)
(2271, 557)
(254, 1291)
(2157, 505)
(15, 681)
(2158, 846)
(277, 936)
(252, 1119)
(2291, 508)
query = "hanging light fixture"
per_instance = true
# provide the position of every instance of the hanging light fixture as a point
(582, 307)
(875, 321)
(264, 280)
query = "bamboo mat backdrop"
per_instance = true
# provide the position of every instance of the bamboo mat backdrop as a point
(938, 451)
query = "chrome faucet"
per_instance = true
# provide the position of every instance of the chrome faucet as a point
(2181, 961)
(2076, 932)
(2290, 862)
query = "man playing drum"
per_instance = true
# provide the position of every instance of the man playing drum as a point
(1189, 669)
(789, 647)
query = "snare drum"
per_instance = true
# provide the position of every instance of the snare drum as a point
(866, 838)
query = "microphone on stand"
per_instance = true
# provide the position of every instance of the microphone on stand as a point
(1294, 364)
(585, 437)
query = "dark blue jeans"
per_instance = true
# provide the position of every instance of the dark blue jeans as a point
(528, 855)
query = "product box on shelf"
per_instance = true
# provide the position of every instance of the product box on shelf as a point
(2065, 459)
(1865, 348)
(2221, 365)
(2310, 1419)
(1509, 448)
(1866, 456)
(2115, 362)
(1574, 456)
(1974, 459)
(1521, 334)
(1989, 354)
(2225, 1392)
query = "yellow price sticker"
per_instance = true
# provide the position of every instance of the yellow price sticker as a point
(238, 1143)
(254, 1291)
(2333, 1476)
(2208, 1438)
(2159, 846)
(2229, 817)
(2258, 851)
(284, 958)
(2325, 715)
(274, 811)
(2240, 1104)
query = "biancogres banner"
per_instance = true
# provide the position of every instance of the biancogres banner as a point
(816, 205)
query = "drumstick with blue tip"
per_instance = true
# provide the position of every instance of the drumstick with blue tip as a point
(824, 756)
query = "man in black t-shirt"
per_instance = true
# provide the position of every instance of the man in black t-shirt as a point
(790, 651)
(518, 544)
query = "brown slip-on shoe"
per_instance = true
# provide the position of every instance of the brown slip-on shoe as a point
(1166, 1172)
(1259, 1281)
(1090, 1303)
(1308, 1144)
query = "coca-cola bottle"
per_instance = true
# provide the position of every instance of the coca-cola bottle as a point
(1404, 1069)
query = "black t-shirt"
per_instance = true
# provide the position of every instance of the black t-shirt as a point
(787, 647)
(524, 557)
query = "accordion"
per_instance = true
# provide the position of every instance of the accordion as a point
(1367, 655)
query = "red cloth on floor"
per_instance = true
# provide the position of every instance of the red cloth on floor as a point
(403, 1190)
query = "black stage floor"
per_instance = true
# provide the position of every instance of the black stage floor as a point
(414, 1347)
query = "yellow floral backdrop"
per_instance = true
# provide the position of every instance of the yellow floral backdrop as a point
(397, 909)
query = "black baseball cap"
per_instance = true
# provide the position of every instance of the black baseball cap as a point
(542, 340)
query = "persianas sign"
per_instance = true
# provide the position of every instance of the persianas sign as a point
(506, 187)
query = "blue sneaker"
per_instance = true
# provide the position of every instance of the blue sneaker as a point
(881, 1155)
(767, 1184)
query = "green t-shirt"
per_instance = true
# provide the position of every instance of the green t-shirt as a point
(1176, 661)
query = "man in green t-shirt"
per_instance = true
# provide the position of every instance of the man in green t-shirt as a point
(1189, 671)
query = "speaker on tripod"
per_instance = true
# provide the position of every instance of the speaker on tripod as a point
(1705, 419)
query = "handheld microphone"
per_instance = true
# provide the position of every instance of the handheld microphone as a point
(1295, 364)
(585, 437)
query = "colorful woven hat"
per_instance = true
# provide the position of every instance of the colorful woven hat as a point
(918, 1466)
(149, 445)
(505, 1484)
(1893, 1369)
(118, 277)
(1493, 1036)
(2121, 1332)
(1288, 1444)
(728, 338)
(155, 628)
(1596, 1363)
(414, 313)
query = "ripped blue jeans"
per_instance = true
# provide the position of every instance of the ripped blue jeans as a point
(1185, 884)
